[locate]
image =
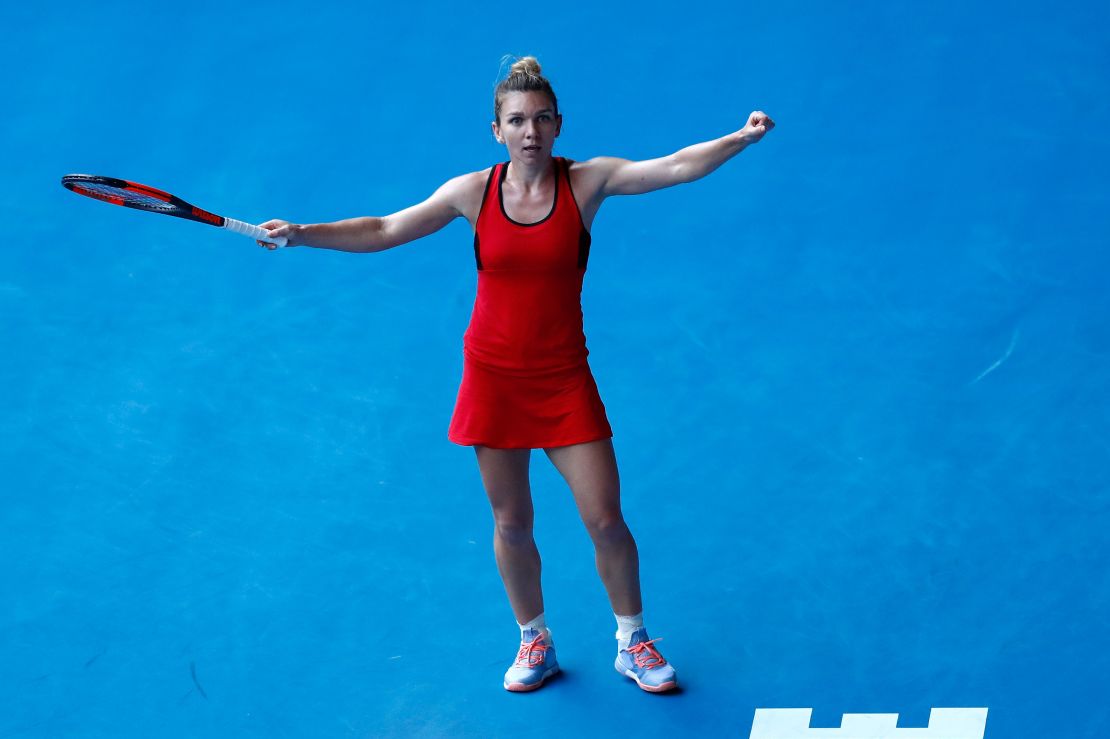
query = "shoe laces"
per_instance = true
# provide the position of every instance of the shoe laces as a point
(645, 654)
(531, 653)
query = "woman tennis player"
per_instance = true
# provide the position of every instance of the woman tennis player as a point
(526, 383)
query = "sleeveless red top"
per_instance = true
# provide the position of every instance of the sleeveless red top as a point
(526, 382)
(528, 312)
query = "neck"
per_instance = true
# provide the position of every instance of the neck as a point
(529, 175)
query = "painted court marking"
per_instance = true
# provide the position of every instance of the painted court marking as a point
(944, 723)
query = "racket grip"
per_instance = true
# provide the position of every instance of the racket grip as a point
(255, 232)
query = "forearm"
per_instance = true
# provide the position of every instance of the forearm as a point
(695, 162)
(363, 234)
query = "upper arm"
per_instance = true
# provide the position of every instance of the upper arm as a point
(613, 176)
(450, 201)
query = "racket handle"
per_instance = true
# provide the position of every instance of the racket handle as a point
(255, 232)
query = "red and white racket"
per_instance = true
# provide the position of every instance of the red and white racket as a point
(142, 197)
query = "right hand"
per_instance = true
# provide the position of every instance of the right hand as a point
(278, 227)
(759, 123)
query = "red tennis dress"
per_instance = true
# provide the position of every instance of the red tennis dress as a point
(526, 383)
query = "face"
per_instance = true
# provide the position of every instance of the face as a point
(528, 126)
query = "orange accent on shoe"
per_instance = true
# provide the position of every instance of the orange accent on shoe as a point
(658, 688)
(531, 653)
(522, 688)
(651, 659)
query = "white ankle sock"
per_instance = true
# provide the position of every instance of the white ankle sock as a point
(538, 624)
(625, 626)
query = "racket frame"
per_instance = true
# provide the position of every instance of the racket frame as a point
(167, 204)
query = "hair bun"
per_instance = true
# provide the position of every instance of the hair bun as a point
(524, 76)
(528, 65)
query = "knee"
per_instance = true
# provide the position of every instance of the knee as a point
(607, 529)
(513, 531)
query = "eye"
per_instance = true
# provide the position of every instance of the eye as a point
(545, 117)
(515, 120)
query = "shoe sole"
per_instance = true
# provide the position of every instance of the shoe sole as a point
(526, 688)
(649, 688)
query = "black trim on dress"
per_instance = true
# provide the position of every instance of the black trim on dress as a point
(501, 197)
(584, 238)
(485, 193)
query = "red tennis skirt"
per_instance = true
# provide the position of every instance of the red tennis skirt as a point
(507, 411)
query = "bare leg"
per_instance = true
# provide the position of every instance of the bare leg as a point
(505, 477)
(591, 472)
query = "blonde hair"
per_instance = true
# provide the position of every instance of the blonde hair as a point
(524, 76)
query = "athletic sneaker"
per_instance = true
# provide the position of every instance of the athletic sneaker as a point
(641, 662)
(535, 662)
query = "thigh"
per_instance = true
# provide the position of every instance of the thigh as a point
(505, 478)
(590, 470)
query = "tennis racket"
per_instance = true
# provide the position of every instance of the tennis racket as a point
(141, 197)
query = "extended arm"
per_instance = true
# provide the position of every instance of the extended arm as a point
(624, 177)
(371, 233)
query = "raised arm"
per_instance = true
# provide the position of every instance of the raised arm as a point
(371, 234)
(613, 176)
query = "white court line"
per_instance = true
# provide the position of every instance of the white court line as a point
(944, 723)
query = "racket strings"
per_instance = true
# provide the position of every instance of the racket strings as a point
(121, 195)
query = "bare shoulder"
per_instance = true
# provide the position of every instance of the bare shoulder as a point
(598, 167)
(468, 182)
(464, 193)
(589, 180)
(588, 177)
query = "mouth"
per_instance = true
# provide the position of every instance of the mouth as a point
(532, 147)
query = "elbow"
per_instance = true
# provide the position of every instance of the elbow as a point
(377, 238)
(682, 170)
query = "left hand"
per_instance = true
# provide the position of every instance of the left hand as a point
(759, 123)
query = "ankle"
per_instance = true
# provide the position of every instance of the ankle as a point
(626, 625)
(540, 625)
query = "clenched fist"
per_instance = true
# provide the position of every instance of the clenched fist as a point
(759, 123)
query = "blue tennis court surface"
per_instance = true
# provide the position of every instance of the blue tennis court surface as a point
(859, 377)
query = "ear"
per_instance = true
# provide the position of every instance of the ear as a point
(496, 132)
